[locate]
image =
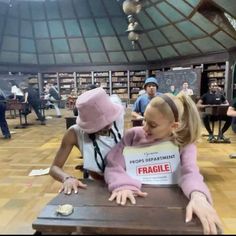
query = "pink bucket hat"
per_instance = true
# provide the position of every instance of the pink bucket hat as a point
(96, 110)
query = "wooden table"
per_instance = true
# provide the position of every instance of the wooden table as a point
(21, 108)
(161, 212)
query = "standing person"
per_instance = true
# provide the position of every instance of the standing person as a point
(99, 127)
(31, 97)
(3, 122)
(173, 90)
(151, 87)
(166, 142)
(54, 97)
(16, 91)
(212, 97)
(186, 89)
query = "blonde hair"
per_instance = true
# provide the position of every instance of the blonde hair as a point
(189, 129)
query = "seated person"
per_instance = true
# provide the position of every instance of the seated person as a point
(163, 152)
(151, 87)
(232, 112)
(214, 98)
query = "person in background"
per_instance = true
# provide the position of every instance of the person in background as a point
(99, 127)
(53, 96)
(232, 113)
(3, 123)
(16, 91)
(164, 134)
(213, 98)
(173, 90)
(186, 89)
(32, 98)
(151, 87)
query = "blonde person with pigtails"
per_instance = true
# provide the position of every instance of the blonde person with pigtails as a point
(163, 152)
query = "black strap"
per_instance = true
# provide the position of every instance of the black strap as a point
(97, 152)
(118, 133)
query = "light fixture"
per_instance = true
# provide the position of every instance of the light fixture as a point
(131, 8)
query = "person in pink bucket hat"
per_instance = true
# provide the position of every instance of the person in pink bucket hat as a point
(99, 126)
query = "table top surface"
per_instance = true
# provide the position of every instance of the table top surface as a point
(161, 212)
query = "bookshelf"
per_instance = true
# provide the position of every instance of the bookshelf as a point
(66, 83)
(101, 79)
(120, 84)
(136, 82)
(83, 79)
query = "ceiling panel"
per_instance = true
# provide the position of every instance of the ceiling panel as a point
(41, 29)
(94, 44)
(190, 30)
(56, 29)
(37, 11)
(203, 23)
(63, 58)
(72, 28)
(44, 46)
(172, 34)
(94, 32)
(135, 56)
(157, 37)
(156, 16)
(77, 45)
(208, 45)
(52, 10)
(151, 54)
(117, 57)
(88, 27)
(169, 12)
(111, 44)
(225, 39)
(26, 29)
(104, 27)
(81, 58)
(66, 9)
(167, 52)
(27, 58)
(27, 45)
(186, 48)
(46, 59)
(99, 57)
(182, 6)
(60, 45)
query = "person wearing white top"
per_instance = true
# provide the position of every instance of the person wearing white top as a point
(16, 91)
(99, 127)
(186, 90)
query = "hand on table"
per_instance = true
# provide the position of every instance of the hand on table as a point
(71, 184)
(205, 212)
(121, 196)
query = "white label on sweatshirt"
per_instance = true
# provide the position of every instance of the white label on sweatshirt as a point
(156, 164)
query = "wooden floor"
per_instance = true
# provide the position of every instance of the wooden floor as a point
(22, 197)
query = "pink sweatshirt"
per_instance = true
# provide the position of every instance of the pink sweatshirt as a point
(117, 178)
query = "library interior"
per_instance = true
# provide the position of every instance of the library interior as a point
(56, 54)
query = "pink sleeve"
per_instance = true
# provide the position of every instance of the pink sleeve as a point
(115, 174)
(191, 179)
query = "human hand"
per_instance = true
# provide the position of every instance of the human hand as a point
(71, 184)
(205, 212)
(121, 196)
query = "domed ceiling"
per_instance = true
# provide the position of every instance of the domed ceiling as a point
(93, 32)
